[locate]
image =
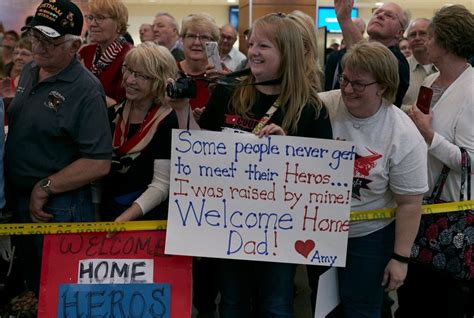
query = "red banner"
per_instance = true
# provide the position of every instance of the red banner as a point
(125, 275)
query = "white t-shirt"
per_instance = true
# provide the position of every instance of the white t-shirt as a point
(390, 158)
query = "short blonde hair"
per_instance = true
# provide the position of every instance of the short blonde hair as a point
(376, 59)
(157, 63)
(201, 20)
(115, 9)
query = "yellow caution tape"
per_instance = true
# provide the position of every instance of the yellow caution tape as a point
(87, 227)
(425, 209)
(83, 227)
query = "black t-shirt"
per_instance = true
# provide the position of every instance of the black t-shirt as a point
(219, 114)
(131, 174)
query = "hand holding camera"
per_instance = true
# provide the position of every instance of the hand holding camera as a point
(183, 87)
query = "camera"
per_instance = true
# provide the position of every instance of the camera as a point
(183, 87)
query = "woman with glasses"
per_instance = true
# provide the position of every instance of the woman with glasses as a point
(196, 30)
(21, 55)
(446, 128)
(106, 25)
(389, 172)
(137, 185)
(275, 98)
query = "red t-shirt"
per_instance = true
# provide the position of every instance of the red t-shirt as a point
(203, 93)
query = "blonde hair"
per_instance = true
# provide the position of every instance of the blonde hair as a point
(296, 89)
(201, 20)
(376, 59)
(115, 9)
(157, 63)
(308, 33)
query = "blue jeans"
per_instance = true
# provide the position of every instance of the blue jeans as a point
(263, 289)
(360, 281)
(72, 206)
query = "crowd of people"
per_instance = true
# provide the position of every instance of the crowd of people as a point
(89, 137)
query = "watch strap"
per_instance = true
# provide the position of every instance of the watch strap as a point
(45, 185)
(400, 258)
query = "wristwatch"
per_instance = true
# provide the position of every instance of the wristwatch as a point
(45, 185)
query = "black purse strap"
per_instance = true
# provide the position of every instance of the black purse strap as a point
(465, 176)
(438, 188)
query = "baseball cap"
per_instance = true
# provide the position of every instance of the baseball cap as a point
(55, 18)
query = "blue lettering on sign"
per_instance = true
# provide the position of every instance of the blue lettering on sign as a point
(114, 300)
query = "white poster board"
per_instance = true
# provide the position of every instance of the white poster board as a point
(278, 199)
(328, 293)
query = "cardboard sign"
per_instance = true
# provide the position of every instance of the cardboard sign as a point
(127, 275)
(277, 199)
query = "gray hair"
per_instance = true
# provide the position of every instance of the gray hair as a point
(71, 38)
(173, 21)
(416, 20)
(201, 20)
(360, 24)
(405, 18)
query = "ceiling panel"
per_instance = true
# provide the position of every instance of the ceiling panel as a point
(407, 4)
(181, 2)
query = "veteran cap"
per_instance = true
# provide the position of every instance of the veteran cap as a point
(55, 18)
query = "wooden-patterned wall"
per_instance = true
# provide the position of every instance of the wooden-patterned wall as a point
(262, 7)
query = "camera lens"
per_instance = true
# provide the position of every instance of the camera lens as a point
(170, 90)
(184, 87)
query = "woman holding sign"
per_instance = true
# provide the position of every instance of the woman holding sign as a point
(389, 172)
(276, 98)
(137, 185)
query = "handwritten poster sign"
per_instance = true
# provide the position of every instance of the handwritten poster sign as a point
(126, 275)
(279, 199)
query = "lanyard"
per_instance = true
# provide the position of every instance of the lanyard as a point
(264, 120)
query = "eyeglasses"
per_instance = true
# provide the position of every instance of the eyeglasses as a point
(201, 38)
(126, 71)
(23, 53)
(389, 15)
(46, 43)
(356, 86)
(99, 19)
(228, 37)
(414, 34)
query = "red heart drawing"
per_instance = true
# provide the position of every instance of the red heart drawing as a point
(304, 247)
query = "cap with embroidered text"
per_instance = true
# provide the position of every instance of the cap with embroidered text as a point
(55, 18)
